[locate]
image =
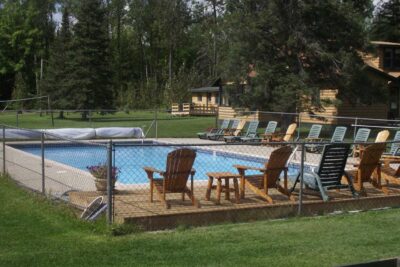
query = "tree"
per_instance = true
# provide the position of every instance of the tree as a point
(57, 76)
(386, 24)
(296, 47)
(90, 76)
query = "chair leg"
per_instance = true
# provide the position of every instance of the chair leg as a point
(295, 183)
(151, 190)
(259, 192)
(195, 202)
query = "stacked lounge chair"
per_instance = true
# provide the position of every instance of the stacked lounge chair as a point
(221, 130)
(269, 131)
(228, 132)
(250, 133)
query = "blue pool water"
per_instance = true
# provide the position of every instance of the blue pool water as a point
(130, 160)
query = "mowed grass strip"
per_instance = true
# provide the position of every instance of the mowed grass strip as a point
(36, 232)
(168, 126)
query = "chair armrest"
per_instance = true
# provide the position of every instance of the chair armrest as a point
(152, 170)
(242, 167)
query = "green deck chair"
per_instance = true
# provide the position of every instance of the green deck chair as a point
(395, 147)
(270, 129)
(337, 137)
(251, 132)
(221, 129)
(313, 136)
(328, 174)
(221, 134)
(361, 137)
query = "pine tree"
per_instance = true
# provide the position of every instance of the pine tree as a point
(386, 24)
(90, 80)
(57, 72)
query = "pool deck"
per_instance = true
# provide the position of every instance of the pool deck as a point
(131, 202)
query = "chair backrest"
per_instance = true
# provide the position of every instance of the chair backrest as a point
(315, 131)
(362, 135)
(239, 127)
(382, 136)
(277, 163)
(252, 129)
(332, 164)
(369, 160)
(235, 124)
(338, 134)
(271, 127)
(225, 124)
(179, 167)
(395, 146)
(290, 132)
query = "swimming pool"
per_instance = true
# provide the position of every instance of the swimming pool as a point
(130, 160)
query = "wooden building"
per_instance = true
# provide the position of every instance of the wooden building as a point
(383, 64)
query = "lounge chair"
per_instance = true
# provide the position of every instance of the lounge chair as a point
(269, 131)
(368, 164)
(224, 126)
(361, 137)
(337, 137)
(174, 178)
(313, 136)
(250, 133)
(394, 147)
(282, 137)
(329, 172)
(269, 177)
(228, 132)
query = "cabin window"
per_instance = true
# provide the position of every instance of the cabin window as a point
(209, 97)
(391, 58)
(199, 98)
(387, 58)
(397, 58)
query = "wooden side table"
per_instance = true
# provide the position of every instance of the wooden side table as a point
(219, 176)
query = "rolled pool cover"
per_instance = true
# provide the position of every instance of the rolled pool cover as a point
(21, 134)
(71, 133)
(119, 132)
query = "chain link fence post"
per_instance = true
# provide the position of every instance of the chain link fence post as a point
(303, 151)
(156, 122)
(4, 149)
(43, 162)
(109, 183)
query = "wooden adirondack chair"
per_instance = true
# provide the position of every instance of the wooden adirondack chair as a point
(328, 174)
(282, 137)
(365, 169)
(260, 184)
(174, 178)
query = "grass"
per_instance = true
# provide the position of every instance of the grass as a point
(168, 126)
(35, 232)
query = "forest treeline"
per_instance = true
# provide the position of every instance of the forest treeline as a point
(128, 54)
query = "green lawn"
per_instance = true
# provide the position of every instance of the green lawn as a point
(35, 232)
(168, 126)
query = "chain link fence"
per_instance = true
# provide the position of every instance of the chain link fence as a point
(161, 183)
